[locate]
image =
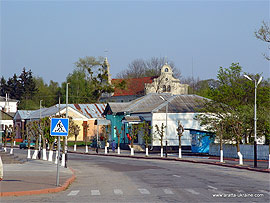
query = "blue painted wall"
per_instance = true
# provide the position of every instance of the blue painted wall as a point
(201, 141)
(116, 121)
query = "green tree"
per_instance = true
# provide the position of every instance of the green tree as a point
(97, 76)
(231, 105)
(145, 128)
(74, 130)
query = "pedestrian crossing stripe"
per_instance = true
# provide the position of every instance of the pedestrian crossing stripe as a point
(59, 128)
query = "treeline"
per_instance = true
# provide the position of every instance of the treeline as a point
(87, 83)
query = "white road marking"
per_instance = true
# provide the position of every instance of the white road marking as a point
(264, 191)
(73, 192)
(118, 191)
(95, 192)
(212, 188)
(168, 191)
(144, 191)
(177, 176)
(240, 191)
(192, 191)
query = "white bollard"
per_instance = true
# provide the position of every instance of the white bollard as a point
(221, 156)
(180, 153)
(146, 152)
(132, 151)
(35, 154)
(50, 155)
(56, 157)
(44, 154)
(75, 148)
(240, 158)
(106, 150)
(1, 169)
(63, 159)
(29, 154)
(118, 150)
(11, 151)
(86, 149)
(14, 143)
(161, 152)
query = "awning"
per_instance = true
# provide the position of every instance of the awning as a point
(132, 119)
(102, 122)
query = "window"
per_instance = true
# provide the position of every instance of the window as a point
(166, 69)
(169, 88)
(164, 88)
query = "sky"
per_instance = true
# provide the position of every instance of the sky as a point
(48, 37)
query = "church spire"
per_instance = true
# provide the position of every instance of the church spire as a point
(106, 65)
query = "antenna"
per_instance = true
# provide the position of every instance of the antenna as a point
(106, 51)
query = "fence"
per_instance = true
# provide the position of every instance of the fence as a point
(230, 151)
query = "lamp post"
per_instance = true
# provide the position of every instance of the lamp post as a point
(66, 144)
(255, 118)
(166, 126)
(39, 137)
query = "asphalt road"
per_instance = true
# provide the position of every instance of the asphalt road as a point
(112, 179)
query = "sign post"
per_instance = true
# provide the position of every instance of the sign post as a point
(59, 127)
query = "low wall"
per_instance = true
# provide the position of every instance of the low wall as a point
(247, 151)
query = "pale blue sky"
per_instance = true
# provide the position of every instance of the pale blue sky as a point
(49, 36)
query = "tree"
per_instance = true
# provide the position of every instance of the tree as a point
(85, 129)
(97, 76)
(160, 132)
(118, 133)
(147, 68)
(180, 130)
(264, 34)
(133, 136)
(74, 130)
(231, 98)
(106, 132)
(145, 127)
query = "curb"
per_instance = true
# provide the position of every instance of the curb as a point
(182, 160)
(42, 191)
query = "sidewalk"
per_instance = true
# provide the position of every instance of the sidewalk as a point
(34, 177)
(262, 165)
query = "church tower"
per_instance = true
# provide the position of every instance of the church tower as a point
(106, 66)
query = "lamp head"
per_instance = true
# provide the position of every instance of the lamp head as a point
(247, 77)
(260, 80)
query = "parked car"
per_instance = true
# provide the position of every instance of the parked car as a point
(24, 144)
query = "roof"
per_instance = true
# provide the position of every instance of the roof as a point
(156, 102)
(88, 110)
(134, 86)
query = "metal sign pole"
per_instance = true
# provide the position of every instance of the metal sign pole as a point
(58, 161)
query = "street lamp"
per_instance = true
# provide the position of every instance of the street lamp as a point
(166, 124)
(64, 158)
(39, 137)
(255, 118)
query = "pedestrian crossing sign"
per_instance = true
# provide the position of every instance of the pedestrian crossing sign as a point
(59, 127)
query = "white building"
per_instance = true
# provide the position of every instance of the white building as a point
(152, 108)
